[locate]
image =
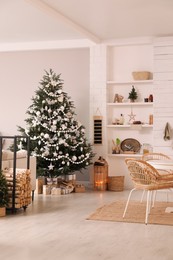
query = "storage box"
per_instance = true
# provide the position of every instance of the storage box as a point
(40, 181)
(46, 189)
(56, 191)
(116, 183)
(79, 188)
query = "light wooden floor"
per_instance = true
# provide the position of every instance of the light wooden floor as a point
(55, 228)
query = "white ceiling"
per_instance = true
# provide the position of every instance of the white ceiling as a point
(23, 21)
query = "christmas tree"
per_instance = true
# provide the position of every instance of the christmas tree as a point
(133, 94)
(57, 137)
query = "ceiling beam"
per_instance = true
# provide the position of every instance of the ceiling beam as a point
(60, 17)
(45, 45)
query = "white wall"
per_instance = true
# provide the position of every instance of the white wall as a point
(163, 89)
(20, 73)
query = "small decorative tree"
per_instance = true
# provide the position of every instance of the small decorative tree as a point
(57, 137)
(133, 94)
(4, 198)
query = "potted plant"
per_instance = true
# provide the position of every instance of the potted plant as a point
(4, 199)
(116, 149)
(133, 94)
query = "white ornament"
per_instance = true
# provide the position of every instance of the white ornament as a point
(55, 154)
(38, 113)
(61, 141)
(46, 136)
(51, 166)
(54, 83)
(59, 91)
(74, 158)
(63, 127)
(62, 108)
(61, 98)
(53, 127)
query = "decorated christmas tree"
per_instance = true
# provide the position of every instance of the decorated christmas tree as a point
(133, 94)
(57, 137)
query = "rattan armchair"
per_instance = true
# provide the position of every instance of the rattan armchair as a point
(146, 177)
(155, 156)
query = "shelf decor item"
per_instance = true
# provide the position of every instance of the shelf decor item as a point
(98, 129)
(130, 145)
(133, 94)
(141, 75)
(116, 146)
(118, 98)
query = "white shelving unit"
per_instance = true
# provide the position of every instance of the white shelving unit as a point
(122, 60)
(140, 109)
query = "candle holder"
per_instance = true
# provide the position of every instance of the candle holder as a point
(101, 177)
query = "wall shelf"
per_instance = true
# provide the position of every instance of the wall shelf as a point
(129, 82)
(131, 104)
(130, 126)
(136, 155)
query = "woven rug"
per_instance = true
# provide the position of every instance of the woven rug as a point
(135, 213)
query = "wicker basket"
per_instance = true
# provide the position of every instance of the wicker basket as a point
(116, 183)
(141, 75)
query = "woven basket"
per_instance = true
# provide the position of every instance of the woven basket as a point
(141, 75)
(116, 183)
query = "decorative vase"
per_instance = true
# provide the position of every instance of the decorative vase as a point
(116, 149)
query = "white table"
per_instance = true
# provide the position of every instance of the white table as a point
(162, 164)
